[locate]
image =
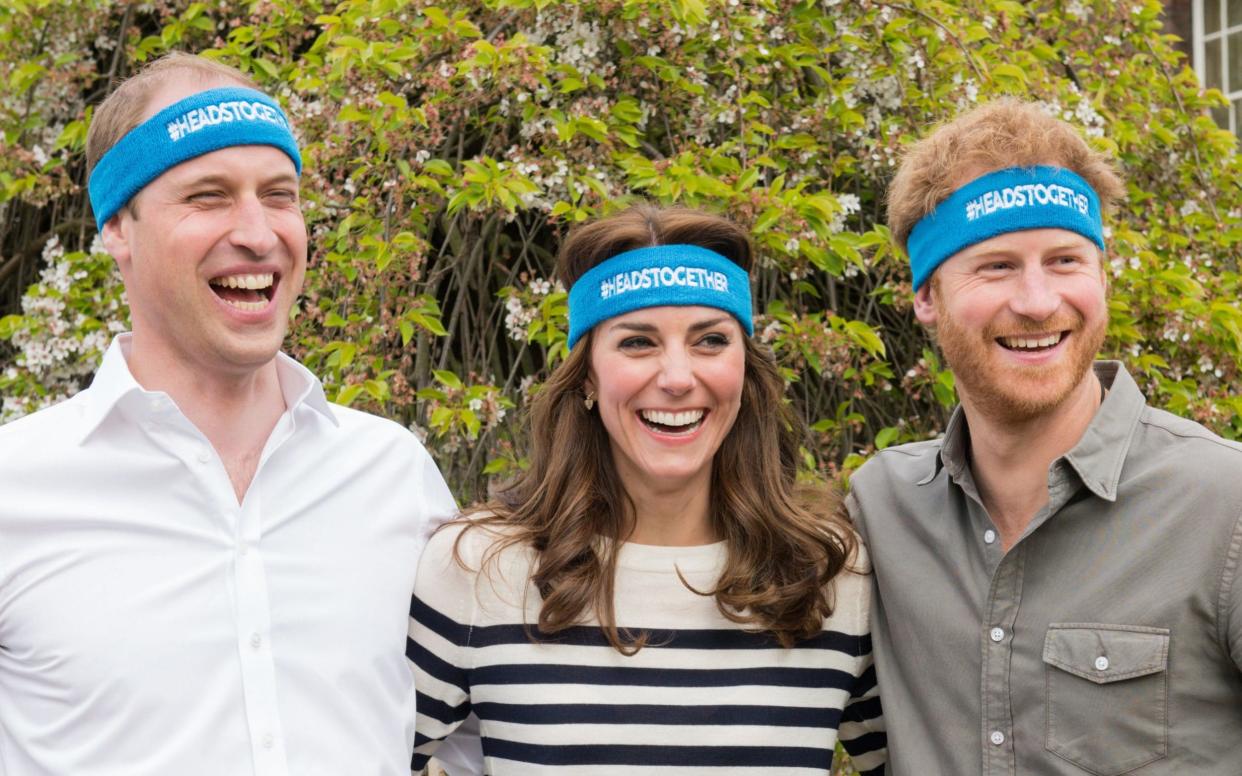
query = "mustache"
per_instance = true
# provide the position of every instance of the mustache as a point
(1018, 327)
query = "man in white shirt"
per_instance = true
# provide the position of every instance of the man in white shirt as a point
(205, 567)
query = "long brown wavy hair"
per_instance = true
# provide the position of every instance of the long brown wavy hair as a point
(786, 540)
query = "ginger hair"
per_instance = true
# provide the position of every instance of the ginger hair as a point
(1004, 133)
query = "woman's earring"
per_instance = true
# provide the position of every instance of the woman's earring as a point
(589, 401)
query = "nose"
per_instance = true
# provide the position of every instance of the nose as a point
(251, 229)
(1036, 297)
(676, 372)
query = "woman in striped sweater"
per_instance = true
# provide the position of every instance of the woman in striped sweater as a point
(656, 593)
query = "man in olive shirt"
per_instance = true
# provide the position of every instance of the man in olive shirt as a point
(1057, 576)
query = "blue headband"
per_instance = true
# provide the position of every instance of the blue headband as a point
(1010, 200)
(654, 277)
(197, 125)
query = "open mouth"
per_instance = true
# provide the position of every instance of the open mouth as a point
(250, 293)
(684, 422)
(1032, 343)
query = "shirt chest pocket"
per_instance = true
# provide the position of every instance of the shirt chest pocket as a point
(1106, 696)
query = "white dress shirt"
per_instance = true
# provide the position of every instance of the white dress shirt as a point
(150, 624)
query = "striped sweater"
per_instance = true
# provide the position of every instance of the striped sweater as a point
(703, 697)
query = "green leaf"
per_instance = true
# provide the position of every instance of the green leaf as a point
(448, 379)
(885, 437)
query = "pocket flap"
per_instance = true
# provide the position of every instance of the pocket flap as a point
(1106, 653)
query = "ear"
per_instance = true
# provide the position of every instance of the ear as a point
(924, 305)
(116, 235)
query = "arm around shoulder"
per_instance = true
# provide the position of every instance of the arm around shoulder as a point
(441, 617)
(1229, 607)
(862, 730)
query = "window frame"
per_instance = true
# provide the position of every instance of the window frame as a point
(1200, 39)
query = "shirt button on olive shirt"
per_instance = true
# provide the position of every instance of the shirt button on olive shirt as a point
(1106, 641)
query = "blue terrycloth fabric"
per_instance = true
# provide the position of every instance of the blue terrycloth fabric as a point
(197, 125)
(681, 275)
(1010, 200)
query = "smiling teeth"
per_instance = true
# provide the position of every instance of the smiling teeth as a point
(253, 307)
(253, 282)
(1030, 343)
(673, 419)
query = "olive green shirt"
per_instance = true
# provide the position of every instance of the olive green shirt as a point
(1106, 641)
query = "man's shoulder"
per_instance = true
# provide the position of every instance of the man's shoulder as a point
(378, 429)
(909, 464)
(44, 431)
(1187, 445)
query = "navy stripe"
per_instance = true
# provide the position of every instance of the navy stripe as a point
(867, 742)
(419, 761)
(859, 710)
(553, 673)
(699, 638)
(440, 624)
(435, 666)
(650, 714)
(441, 711)
(671, 756)
(865, 682)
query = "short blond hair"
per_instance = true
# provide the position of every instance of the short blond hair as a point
(122, 110)
(1000, 134)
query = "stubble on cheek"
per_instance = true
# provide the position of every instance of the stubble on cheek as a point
(1010, 392)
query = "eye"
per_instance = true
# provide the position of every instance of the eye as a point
(1068, 260)
(282, 196)
(206, 197)
(714, 341)
(637, 342)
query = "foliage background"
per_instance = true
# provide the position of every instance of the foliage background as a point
(448, 148)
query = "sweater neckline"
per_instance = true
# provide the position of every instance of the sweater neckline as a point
(654, 557)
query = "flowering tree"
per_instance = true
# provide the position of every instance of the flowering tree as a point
(448, 149)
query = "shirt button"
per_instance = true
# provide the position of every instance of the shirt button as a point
(997, 634)
(203, 455)
(1101, 663)
(997, 738)
(269, 741)
(989, 536)
(256, 641)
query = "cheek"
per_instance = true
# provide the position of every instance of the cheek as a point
(617, 380)
(725, 378)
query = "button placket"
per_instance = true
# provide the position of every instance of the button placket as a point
(1002, 610)
(254, 633)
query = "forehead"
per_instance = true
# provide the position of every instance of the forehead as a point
(1028, 243)
(670, 316)
(179, 84)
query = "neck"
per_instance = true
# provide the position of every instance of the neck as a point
(674, 515)
(235, 410)
(1010, 458)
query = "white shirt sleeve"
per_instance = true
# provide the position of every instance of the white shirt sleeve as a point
(461, 754)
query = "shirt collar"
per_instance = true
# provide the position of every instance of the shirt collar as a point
(113, 383)
(1098, 455)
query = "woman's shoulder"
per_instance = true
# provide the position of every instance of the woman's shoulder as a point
(481, 556)
(474, 538)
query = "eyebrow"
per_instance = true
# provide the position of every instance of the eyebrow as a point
(647, 328)
(215, 179)
(999, 254)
